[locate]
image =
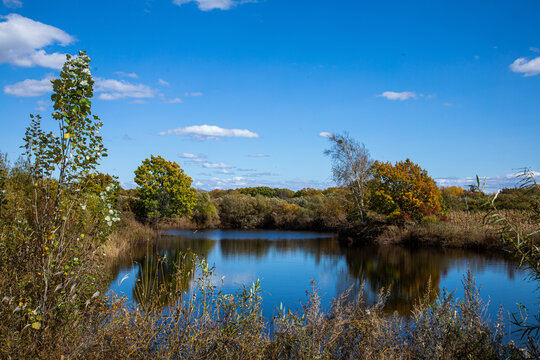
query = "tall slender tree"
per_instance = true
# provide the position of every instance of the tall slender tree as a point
(351, 164)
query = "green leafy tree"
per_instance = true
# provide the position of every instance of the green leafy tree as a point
(404, 190)
(164, 189)
(259, 190)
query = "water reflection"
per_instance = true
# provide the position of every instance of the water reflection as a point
(286, 261)
(161, 280)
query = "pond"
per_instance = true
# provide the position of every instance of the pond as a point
(286, 262)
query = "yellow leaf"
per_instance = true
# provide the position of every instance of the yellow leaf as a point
(36, 325)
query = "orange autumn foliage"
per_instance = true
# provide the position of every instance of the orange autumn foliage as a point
(454, 190)
(403, 190)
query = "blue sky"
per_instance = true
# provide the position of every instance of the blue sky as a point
(238, 92)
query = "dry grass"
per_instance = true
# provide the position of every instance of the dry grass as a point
(178, 223)
(461, 229)
(208, 324)
(129, 233)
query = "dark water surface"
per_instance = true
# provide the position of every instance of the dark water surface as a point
(286, 261)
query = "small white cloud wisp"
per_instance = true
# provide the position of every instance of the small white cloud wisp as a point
(217, 166)
(173, 101)
(30, 87)
(492, 183)
(110, 89)
(12, 4)
(207, 5)
(393, 95)
(130, 75)
(325, 134)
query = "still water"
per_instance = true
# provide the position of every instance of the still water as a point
(286, 262)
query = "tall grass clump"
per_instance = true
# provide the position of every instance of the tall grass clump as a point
(522, 242)
(203, 322)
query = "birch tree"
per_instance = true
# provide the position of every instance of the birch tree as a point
(351, 164)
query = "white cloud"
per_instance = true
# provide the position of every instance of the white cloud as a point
(206, 5)
(260, 174)
(42, 105)
(193, 158)
(209, 132)
(30, 87)
(22, 41)
(492, 183)
(217, 166)
(162, 82)
(128, 185)
(243, 181)
(130, 75)
(220, 183)
(110, 89)
(534, 49)
(527, 67)
(196, 93)
(224, 171)
(325, 134)
(258, 155)
(12, 4)
(188, 156)
(173, 101)
(404, 95)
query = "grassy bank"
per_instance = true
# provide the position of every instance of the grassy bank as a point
(129, 233)
(457, 229)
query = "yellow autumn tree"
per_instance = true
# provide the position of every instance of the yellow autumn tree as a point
(403, 190)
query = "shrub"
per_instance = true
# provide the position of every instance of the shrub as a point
(205, 213)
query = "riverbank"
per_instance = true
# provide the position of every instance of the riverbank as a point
(457, 229)
(128, 234)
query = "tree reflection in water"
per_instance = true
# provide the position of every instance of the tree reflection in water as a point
(163, 279)
(406, 272)
(166, 270)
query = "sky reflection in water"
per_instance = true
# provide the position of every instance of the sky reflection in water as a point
(286, 262)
